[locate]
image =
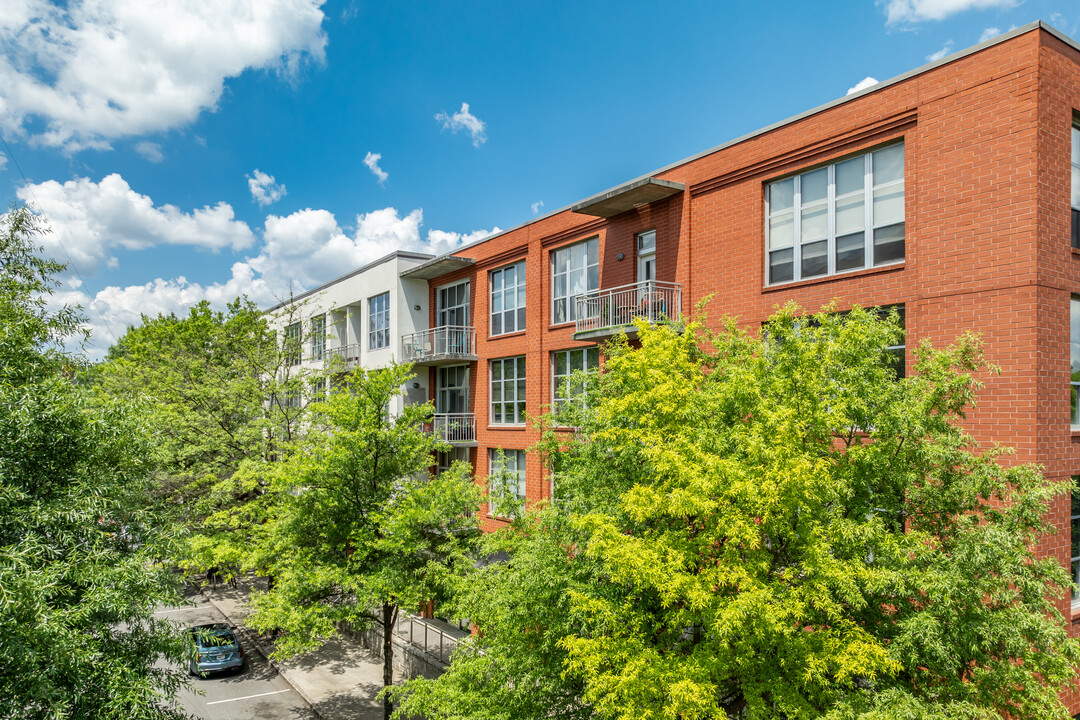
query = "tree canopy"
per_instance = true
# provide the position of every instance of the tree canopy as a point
(79, 576)
(771, 525)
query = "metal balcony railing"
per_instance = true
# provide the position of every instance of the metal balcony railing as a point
(447, 342)
(348, 356)
(454, 427)
(617, 307)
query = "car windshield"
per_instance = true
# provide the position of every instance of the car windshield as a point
(209, 637)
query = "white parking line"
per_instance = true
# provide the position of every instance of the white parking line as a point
(248, 697)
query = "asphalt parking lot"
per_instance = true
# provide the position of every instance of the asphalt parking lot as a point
(257, 692)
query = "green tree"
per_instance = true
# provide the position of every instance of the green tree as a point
(78, 578)
(361, 529)
(777, 527)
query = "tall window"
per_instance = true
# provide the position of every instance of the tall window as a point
(646, 256)
(452, 393)
(899, 352)
(508, 391)
(293, 334)
(1074, 359)
(318, 337)
(575, 270)
(453, 305)
(1074, 533)
(507, 473)
(508, 299)
(838, 218)
(379, 321)
(564, 364)
(1076, 186)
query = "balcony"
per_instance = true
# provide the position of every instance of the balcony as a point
(605, 313)
(458, 429)
(345, 357)
(440, 346)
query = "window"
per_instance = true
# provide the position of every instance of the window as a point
(318, 337)
(1074, 533)
(899, 352)
(575, 270)
(452, 391)
(818, 221)
(564, 364)
(1076, 186)
(508, 391)
(379, 321)
(453, 305)
(507, 474)
(1074, 359)
(445, 460)
(508, 299)
(646, 256)
(293, 335)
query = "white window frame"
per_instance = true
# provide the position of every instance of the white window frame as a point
(645, 243)
(318, 337)
(442, 309)
(1074, 529)
(870, 226)
(502, 292)
(518, 460)
(590, 270)
(516, 385)
(379, 321)
(557, 379)
(1074, 166)
(1074, 362)
(294, 333)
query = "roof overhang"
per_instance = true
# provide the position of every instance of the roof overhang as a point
(627, 197)
(438, 267)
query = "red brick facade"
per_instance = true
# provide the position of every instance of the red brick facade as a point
(987, 244)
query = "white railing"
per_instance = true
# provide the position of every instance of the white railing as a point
(347, 355)
(652, 300)
(454, 427)
(428, 635)
(444, 341)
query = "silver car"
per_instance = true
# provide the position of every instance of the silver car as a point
(216, 649)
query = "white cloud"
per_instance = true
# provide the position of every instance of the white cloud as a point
(536, 206)
(945, 50)
(372, 162)
(80, 73)
(150, 150)
(3, 161)
(464, 120)
(862, 84)
(89, 219)
(913, 11)
(988, 33)
(263, 188)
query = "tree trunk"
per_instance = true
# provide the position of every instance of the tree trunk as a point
(389, 615)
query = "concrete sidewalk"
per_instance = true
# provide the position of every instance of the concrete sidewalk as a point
(339, 680)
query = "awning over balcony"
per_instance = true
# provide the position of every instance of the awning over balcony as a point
(438, 267)
(627, 197)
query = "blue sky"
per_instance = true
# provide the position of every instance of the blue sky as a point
(190, 149)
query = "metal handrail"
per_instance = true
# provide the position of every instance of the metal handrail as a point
(347, 354)
(454, 427)
(445, 340)
(652, 300)
(433, 639)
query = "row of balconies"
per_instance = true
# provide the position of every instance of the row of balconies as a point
(599, 315)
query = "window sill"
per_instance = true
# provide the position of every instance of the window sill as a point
(506, 335)
(568, 323)
(1076, 253)
(891, 267)
(507, 426)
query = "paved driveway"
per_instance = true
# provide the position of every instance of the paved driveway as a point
(257, 693)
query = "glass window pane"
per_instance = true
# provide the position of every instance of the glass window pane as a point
(889, 164)
(560, 311)
(509, 276)
(593, 248)
(508, 321)
(496, 392)
(1076, 186)
(520, 296)
(815, 185)
(647, 241)
(560, 261)
(1075, 531)
(849, 175)
(1075, 501)
(782, 230)
(1076, 145)
(594, 278)
(889, 205)
(520, 418)
(850, 215)
(815, 222)
(889, 244)
(850, 251)
(781, 265)
(782, 195)
(521, 319)
(575, 360)
(496, 324)
(577, 281)
(1074, 344)
(815, 259)
(521, 367)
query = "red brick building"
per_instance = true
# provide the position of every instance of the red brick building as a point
(946, 191)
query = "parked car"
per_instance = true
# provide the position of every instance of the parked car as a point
(216, 649)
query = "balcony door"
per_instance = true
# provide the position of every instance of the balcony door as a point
(646, 257)
(452, 390)
(453, 305)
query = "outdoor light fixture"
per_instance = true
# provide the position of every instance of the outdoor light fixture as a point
(619, 257)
